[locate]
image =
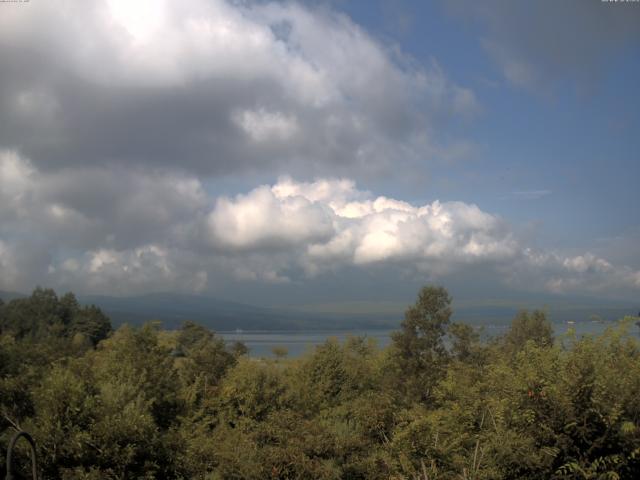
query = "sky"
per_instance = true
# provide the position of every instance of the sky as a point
(281, 153)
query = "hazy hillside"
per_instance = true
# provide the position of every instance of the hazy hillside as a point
(172, 309)
(8, 296)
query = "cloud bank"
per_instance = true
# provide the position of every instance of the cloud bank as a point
(214, 88)
(117, 117)
(104, 230)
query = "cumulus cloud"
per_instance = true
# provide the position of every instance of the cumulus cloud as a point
(216, 87)
(333, 223)
(7, 267)
(585, 274)
(261, 219)
(99, 230)
(146, 268)
(116, 117)
(96, 207)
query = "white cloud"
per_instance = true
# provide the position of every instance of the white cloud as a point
(8, 270)
(330, 223)
(262, 220)
(221, 86)
(16, 180)
(97, 207)
(145, 268)
(586, 263)
(585, 274)
(262, 125)
(101, 231)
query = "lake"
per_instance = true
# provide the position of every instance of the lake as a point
(261, 343)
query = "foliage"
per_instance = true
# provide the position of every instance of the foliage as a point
(438, 403)
(419, 354)
(44, 315)
(528, 327)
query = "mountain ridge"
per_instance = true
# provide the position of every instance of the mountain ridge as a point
(172, 309)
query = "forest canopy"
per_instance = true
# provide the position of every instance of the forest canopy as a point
(438, 403)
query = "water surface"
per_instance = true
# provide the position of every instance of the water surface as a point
(261, 343)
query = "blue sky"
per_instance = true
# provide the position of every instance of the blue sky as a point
(576, 137)
(321, 152)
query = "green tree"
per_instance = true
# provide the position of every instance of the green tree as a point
(419, 352)
(44, 316)
(280, 352)
(529, 327)
(202, 361)
(465, 342)
(90, 322)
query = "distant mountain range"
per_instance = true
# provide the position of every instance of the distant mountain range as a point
(172, 309)
(222, 315)
(8, 296)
